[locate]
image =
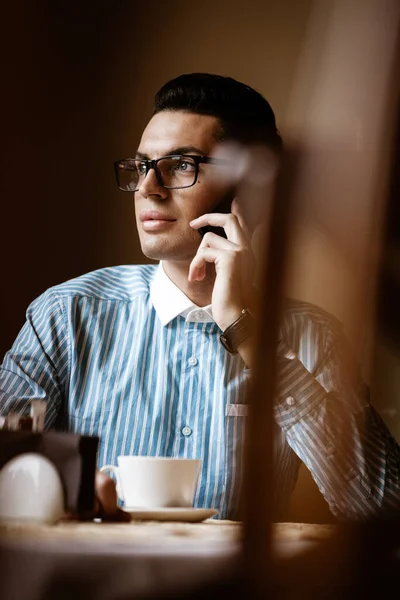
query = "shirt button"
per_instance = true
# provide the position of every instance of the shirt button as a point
(290, 355)
(192, 361)
(186, 431)
(290, 401)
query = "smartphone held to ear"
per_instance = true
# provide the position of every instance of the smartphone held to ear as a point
(223, 207)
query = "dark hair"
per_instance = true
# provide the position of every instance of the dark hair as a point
(244, 114)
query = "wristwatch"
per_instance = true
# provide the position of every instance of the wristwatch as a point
(236, 333)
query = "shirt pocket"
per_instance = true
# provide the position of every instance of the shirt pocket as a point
(237, 410)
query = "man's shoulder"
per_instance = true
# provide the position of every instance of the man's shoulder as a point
(124, 283)
(299, 316)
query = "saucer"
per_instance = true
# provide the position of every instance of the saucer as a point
(189, 514)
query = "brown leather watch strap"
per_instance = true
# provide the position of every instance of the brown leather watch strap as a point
(238, 331)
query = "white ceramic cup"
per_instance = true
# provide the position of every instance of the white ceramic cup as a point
(154, 481)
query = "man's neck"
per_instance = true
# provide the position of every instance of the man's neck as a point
(199, 292)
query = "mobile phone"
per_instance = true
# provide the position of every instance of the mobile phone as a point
(222, 207)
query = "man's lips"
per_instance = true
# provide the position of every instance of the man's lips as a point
(154, 215)
(153, 220)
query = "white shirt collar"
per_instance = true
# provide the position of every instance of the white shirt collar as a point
(169, 301)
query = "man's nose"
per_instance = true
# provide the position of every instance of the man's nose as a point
(150, 186)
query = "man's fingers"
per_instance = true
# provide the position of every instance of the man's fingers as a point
(229, 222)
(213, 240)
(106, 493)
(197, 273)
(203, 256)
(119, 516)
(107, 499)
(197, 270)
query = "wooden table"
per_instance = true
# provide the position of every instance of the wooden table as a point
(135, 560)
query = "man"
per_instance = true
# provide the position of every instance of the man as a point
(133, 354)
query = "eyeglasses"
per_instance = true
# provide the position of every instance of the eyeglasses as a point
(174, 172)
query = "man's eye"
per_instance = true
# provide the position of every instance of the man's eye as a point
(185, 166)
(141, 167)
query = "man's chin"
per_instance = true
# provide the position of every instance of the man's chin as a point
(163, 253)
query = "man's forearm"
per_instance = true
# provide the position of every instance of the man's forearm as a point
(350, 453)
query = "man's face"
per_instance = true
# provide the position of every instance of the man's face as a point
(163, 215)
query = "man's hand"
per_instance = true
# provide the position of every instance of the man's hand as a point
(106, 507)
(234, 264)
(105, 503)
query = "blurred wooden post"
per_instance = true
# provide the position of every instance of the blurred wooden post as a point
(347, 105)
(259, 477)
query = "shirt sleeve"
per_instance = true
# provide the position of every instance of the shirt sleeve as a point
(36, 367)
(331, 425)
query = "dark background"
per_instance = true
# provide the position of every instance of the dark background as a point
(78, 81)
(64, 80)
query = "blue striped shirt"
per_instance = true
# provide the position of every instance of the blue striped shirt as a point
(122, 353)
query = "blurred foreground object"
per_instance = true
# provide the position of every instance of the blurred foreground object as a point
(325, 243)
(30, 458)
(30, 490)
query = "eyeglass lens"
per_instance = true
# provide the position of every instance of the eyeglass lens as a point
(173, 171)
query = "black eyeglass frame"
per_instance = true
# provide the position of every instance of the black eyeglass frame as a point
(151, 163)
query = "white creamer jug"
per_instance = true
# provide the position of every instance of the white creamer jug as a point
(30, 490)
